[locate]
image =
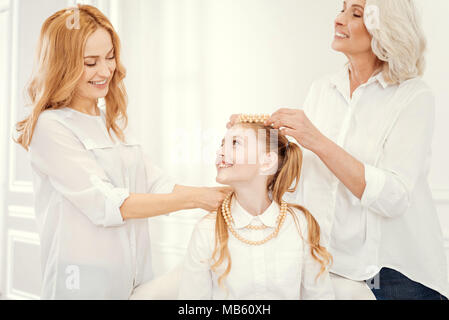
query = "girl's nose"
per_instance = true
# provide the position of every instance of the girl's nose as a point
(220, 152)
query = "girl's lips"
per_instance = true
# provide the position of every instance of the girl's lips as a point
(224, 165)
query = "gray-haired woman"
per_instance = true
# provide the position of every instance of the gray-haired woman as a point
(367, 134)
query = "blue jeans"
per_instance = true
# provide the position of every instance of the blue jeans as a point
(393, 285)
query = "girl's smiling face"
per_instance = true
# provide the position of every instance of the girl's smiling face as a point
(243, 157)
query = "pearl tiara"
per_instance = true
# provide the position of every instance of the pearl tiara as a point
(253, 118)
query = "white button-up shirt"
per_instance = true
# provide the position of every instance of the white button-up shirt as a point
(81, 178)
(389, 128)
(282, 268)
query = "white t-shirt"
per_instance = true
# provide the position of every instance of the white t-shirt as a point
(389, 128)
(282, 268)
(81, 178)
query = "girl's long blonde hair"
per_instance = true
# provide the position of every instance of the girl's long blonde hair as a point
(289, 172)
(60, 66)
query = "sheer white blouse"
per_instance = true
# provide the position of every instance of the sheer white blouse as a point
(81, 178)
(282, 268)
(389, 128)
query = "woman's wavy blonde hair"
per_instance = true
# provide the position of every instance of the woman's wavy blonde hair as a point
(399, 41)
(60, 66)
(289, 172)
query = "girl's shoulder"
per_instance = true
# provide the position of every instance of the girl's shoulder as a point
(203, 234)
(207, 223)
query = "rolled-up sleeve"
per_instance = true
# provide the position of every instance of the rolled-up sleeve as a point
(405, 157)
(75, 174)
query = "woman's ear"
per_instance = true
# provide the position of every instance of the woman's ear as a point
(268, 164)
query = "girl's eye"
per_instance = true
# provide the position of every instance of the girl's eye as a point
(112, 58)
(356, 15)
(90, 65)
(234, 142)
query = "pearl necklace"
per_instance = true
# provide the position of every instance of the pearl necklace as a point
(226, 210)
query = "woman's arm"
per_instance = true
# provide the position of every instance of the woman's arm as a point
(294, 123)
(385, 188)
(138, 206)
(349, 170)
(75, 174)
(345, 167)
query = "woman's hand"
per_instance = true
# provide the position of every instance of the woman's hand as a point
(140, 206)
(205, 198)
(344, 166)
(294, 123)
(210, 199)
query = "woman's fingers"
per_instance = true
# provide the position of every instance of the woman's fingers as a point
(213, 197)
(285, 112)
(282, 120)
(225, 190)
(287, 132)
(275, 117)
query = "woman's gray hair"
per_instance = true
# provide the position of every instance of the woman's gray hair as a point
(398, 39)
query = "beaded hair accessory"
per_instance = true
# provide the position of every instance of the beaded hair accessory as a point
(253, 118)
(257, 118)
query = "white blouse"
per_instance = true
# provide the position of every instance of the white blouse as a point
(81, 178)
(282, 268)
(389, 128)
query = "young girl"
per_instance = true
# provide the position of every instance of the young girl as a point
(257, 246)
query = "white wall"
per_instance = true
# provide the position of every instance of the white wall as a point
(436, 23)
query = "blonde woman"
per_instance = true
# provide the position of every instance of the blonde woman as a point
(93, 185)
(257, 246)
(367, 134)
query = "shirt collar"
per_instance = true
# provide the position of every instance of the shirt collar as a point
(340, 80)
(242, 218)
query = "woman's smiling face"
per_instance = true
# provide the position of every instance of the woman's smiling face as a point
(351, 34)
(99, 66)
